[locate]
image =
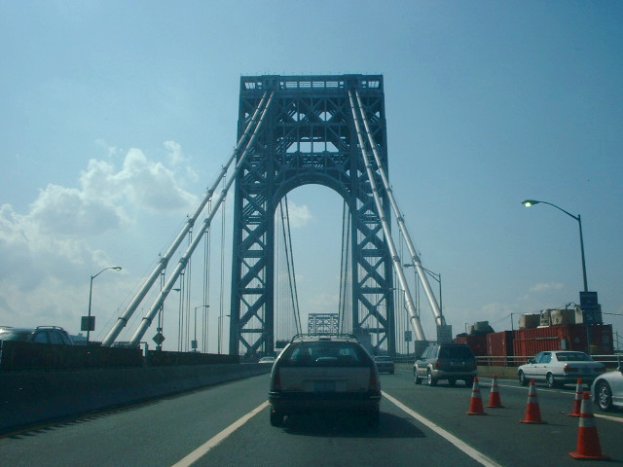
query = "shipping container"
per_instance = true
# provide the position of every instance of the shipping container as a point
(529, 321)
(476, 342)
(566, 316)
(592, 339)
(500, 344)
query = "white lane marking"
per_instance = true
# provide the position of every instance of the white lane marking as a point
(608, 417)
(220, 437)
(458, 443)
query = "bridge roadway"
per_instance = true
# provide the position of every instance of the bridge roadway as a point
(198, 426)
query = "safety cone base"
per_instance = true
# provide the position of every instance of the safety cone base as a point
(580, 456)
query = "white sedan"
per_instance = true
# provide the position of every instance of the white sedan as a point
(559, 367)
(608, 389)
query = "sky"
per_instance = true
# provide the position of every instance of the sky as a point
(116, 117)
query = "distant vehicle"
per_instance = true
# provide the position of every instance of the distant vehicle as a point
(266, 360)
(39, 335)
(324, 373)
(451, 362)
(560, 367)
(607, 389)
(384, 364)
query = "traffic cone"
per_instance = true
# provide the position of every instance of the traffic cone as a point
(495, 402)
(577, 403)
(475, 404)
(533, 412)
(588, 439)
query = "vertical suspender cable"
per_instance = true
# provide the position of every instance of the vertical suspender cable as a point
(415, 322)
(221, 306)
(146, 321)
(206, 290)
(291, 272)
(162, 263)
(439, 319)
(343, 267)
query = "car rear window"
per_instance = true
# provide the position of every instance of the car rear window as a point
(455, 352)
(21, 336)
(325, 354)
(573, 357)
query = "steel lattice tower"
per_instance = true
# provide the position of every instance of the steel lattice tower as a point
(308, 137)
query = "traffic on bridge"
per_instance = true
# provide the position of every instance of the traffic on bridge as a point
(229, 425)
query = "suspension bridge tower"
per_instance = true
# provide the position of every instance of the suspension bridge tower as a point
(309, 135)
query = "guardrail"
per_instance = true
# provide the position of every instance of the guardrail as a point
(611, 361)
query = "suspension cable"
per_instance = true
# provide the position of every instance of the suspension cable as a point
(254, 124)
(146, 321)
(287, 238)
(388, 238)
(439, 319)
(343, 272)
(222, 282)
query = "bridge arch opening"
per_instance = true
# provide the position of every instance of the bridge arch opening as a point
(316, 231)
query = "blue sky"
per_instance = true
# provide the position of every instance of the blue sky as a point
(116, 116)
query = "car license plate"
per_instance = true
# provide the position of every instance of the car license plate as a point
(324, 386)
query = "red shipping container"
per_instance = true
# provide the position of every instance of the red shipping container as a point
(500, 344)
(529, 342)
(476, 342)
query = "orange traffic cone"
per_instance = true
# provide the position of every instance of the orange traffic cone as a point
(533, 412)
(588, 439)
(495, 402)
(577, 403)
(475, 404)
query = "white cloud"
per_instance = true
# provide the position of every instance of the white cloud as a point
(546, 287)
(300, 216)
(48, 250)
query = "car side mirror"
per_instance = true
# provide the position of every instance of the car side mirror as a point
(532, 360)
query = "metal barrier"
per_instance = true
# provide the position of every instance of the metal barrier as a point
(610, 361)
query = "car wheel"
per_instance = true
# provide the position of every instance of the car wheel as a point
(522, 379)
(469, 382)
(429, 379)
(604, 396)
(416, 377)
(276, 418)
(551, 381)
(452, 381)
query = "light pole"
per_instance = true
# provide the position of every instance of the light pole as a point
(531, 202)
(434, 275)
(90, 325)
(194, 342)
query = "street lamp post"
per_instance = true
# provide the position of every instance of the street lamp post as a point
(194, 342)
(531, 202)
(435, 276)
(89, 324)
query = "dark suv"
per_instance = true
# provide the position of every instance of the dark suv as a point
(39, 335)
(324, 373)
(445, 361)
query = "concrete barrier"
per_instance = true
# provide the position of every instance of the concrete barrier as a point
(36, 396)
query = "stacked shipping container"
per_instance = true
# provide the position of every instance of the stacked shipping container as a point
(528, 342)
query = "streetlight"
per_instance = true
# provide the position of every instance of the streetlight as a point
(434, 275)
(193, 344)
(531, 202)
(90, 323)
